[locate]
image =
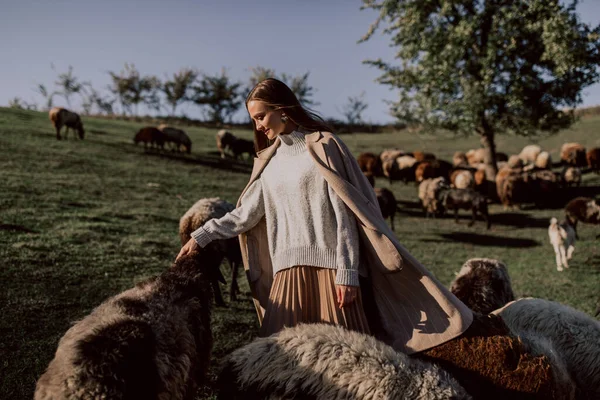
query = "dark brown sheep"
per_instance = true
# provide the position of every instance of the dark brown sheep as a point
(62, 117)
(150, 342)
(573, 154)
(483, 284)
(593, 159)
(240, 146)
(465, 199)
(371, 163)
(387, 204)
(150, 135)
(584, 209)
(224, 140)
(423, 156)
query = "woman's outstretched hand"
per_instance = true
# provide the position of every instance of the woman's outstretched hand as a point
(346, 294)
(187, 248)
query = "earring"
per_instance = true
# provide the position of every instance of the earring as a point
(284, 118)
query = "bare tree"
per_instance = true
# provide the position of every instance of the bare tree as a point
(353, 110)
(177, 89)
(69, 85)
(220, 95)
(298, 84)
(48, 96)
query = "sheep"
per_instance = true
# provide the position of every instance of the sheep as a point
(514, 161)
(483, 284)
(150, 135)
(400, 168)
(543, 160)
(584, 209)
(491, 363)
(387, 204)
(593, 159)
(371, 163)
(466, 199)
(150, 342)
(62, 117)
(462, 179)
(573, 154)
(322, 361)
(571, 176)
(530, 153)
(574, 335)
(176, 136)
(240, 146)
(475, 156)
(422, 156)
(197, 215)
(562, 238)
(390, 154)
(428, 194)
(501, 157)
(459, 159)
(224, 140)
(424, 171)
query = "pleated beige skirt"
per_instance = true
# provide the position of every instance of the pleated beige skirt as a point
(305, 294)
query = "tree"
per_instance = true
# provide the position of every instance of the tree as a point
(69, 85)
(177, 89)
(298, 84)
(131, 88)
(93, 98)
(487, 66)
(48, 97)
(353, 109)
(219, 94)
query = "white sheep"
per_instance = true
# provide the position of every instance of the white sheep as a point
(475, 156)
(574, 335)
(322, 361)
(428, 194)
(562, 238)
(530, 153)
(543, 160)
(462, 179)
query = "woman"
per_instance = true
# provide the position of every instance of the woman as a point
(312, 234)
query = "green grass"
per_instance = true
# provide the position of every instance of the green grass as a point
(83, 220)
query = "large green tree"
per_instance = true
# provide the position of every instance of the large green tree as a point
(487, 66)
(298, 84)
(220, 94)
(178, 88)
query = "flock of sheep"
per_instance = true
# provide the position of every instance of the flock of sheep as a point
(155, 340)
(523, 178)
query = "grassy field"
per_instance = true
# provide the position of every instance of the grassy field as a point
(83, 220)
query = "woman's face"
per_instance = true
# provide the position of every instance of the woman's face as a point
(267, 120)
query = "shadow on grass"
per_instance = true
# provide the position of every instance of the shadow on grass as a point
(485, 240)
(16, 228)
(519, 220)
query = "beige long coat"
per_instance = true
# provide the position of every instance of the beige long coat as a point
(414, 311)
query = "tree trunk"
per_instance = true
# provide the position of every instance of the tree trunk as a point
(487, 141)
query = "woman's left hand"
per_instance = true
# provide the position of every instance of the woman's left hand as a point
(346, 294)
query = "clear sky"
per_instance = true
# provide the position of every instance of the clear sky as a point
(160, 37)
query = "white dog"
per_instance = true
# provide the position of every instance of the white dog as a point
(562, 237)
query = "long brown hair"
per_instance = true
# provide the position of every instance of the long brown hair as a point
(279, 96)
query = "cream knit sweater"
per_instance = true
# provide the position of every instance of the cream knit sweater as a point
(307, 223)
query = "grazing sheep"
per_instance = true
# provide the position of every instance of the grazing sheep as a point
(390, 154)
(501, 157)
(150, 342)
(543, 160)
(224, 141)
(371, 163)
(459, 159)
(490, 363)
(475, 156)
(562, 238)
(62, 117)
(584, 209)
(574, 335)
(176, 136)
(201, 212)
(530, 153)
(463, 179)
(483, 284)
(150, 135)
(424, 171)
(387, 204)
(321, 361)
(428, 193)
(571, 176)
(465, 199)
(240, 146)
(573, 154)
(593, 159)
(479, 178)
(401, 168)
